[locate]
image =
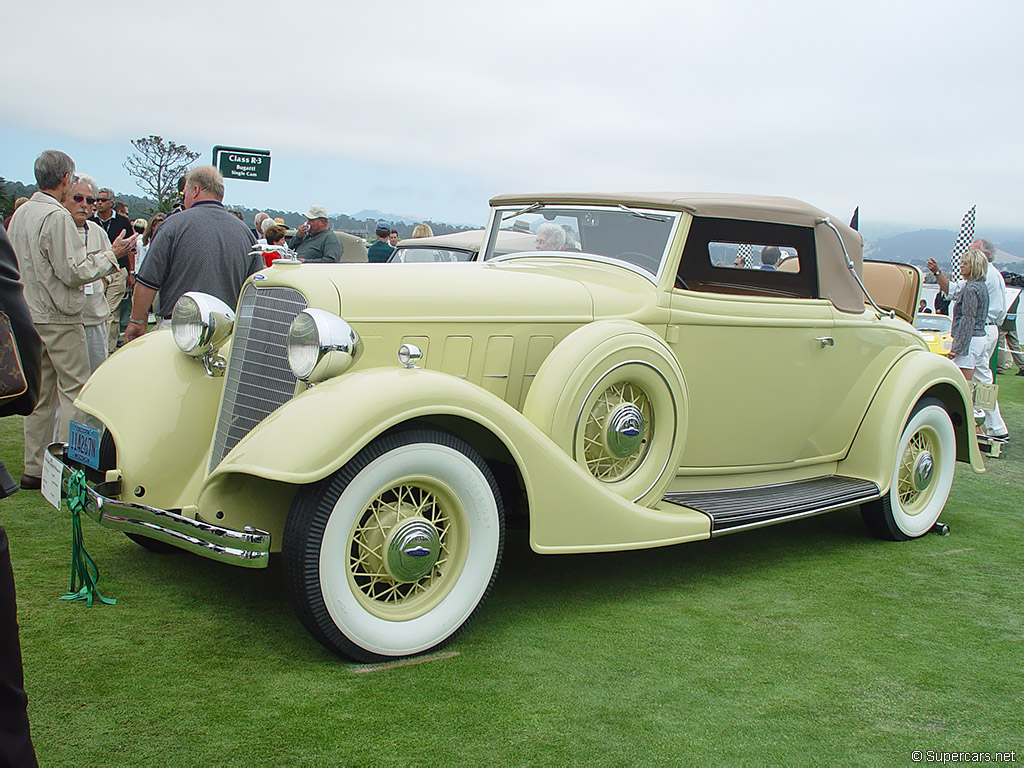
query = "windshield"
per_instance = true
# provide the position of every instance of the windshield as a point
(933, 323)
(636, 236)
(408, 255)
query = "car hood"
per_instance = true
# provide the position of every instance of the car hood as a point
(555, 290)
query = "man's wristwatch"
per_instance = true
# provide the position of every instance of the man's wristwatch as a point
(133, 321)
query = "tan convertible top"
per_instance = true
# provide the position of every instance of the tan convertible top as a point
(834, 279)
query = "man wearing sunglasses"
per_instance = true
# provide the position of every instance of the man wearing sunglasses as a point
(119, 284)
(55, 268)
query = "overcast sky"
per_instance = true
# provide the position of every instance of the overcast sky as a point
(911, 110)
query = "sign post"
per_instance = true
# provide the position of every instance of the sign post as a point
(241, 163)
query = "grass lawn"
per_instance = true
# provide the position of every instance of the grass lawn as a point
(805, 643)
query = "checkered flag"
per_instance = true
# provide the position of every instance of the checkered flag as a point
(963, 243)
(746, 252)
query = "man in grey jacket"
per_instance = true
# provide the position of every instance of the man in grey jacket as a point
(55, 268)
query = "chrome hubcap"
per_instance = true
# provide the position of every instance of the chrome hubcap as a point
(923, 471)
(412, 549)
(625, 433)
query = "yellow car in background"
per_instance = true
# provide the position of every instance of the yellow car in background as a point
(936, 331)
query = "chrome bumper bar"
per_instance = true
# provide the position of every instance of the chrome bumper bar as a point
(249, 548)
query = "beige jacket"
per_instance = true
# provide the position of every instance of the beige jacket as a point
(54, 264)
(97, 310)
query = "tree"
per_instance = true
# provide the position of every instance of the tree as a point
(6, 200)
(158, 165)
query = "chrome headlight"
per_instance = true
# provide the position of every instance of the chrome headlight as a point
(321, 345)
(201, 323)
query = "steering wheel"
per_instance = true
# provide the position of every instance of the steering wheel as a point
(650, 263)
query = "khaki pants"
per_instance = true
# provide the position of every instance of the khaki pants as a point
(116, 290)
(65, 368)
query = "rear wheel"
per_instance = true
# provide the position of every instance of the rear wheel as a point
(922, 477)
(393, 554)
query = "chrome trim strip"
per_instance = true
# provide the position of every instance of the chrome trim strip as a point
(249, 548)
(853, 271)
(577, 257)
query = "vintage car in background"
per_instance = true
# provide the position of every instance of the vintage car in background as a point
(378, 427)
(937, 332)
(353, 246)
(458, 246)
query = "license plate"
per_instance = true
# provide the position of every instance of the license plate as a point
(52, 471)
(84, 445)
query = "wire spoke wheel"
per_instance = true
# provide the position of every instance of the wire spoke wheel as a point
(922, 476)
(626, 429)
(913, 494)
(404, 551)
(392, 554)
(609, 455)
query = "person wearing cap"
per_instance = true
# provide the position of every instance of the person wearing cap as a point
(380, 251)
(314, 242)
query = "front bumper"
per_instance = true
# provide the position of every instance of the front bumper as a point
(249, 548)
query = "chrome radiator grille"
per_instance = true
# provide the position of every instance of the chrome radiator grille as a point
(258, 379)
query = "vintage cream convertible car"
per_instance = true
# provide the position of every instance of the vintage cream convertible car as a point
(660, 381)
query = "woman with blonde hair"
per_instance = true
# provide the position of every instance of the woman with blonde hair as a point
(147, 237)
(970, 315)
(422, 230)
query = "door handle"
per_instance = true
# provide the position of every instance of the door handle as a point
(826, 341)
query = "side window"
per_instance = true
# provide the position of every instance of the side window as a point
(749, 258)
(754, 256)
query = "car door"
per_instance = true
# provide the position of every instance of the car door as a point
(764, 375)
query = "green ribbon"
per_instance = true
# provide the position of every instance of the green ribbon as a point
(84, 572)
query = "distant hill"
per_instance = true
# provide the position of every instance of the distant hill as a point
(368, 214)
(917, 247)
(361, 223)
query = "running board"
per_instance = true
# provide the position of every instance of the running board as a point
(738, 509)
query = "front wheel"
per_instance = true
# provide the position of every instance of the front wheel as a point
(922, 477)
(392, 554)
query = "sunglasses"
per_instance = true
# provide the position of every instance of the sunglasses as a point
(102, 199)
(80, 198)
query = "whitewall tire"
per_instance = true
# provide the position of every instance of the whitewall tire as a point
(921, 479)
(392, 555)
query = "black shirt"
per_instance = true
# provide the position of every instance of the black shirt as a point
(115, 226)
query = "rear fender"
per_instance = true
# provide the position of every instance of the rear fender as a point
(916, 375)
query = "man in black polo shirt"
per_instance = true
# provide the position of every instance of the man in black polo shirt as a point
(120, 283)
(203, 248)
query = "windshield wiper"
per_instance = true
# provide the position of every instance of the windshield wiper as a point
(528, 209)
(642, 215)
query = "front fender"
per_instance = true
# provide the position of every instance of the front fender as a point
(917, 374)
(160, 407)
(317, 432)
